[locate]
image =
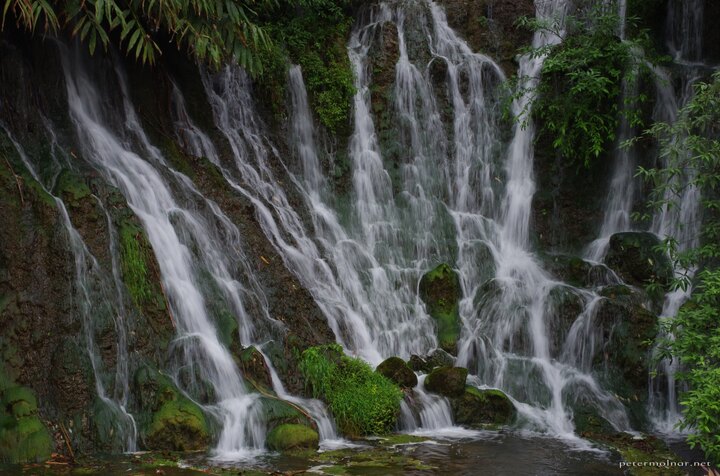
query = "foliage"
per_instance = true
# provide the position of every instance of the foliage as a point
(586, 86)
(313, 34)
(363, 402)
(691, 148)
(212, 32)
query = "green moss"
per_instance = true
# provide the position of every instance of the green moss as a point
(169, 420)
(362, 401)
(483, 408)
(397, 370)
(135, 256)
(179, 425)
(440, 291)
(71, 187)
(448, 381)
(289, 436)
(23, 437)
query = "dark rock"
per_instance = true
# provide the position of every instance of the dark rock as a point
(436, 358)
(635, 258)
(440, 291)
(288, 437)
(563, 307)
(278, 412)
(477, 408)
(397, 370)
(255, 369)
(569, 269)
(447, 381)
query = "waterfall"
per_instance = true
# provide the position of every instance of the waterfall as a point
(187, 242)
(682, 222)
(94, 297)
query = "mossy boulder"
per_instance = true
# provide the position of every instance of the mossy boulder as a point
(23, 437)
(170, 421)
(588, 422)
(277, 412)
(290, 436)
(447, 381)
(564, 305)
(479, 408)
(179, 425)
(397, 370)
(441, 292)
(637, 258)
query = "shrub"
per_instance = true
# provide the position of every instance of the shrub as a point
(362, 401)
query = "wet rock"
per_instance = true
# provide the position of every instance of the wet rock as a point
(447, 381)
(255, 369)
(397, 370)
(23, 437)
(170, 421)
(478, 408)
(569, 269)
(288, 437)
(588, 421)
(564, 305)
(435, 359)
(636, 259)
(440, 291)
(627, 332)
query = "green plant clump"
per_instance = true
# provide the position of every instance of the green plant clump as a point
(134, 264)
(363, 402)
(579, 101)
(313, 34)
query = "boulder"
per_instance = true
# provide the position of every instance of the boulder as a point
(397, 370)
(447, 381)
(635, 257)
(278, 412)
(436, 358)
(563, 307)
(254, 368)
(290, 436)
(478, 408)
(440, 291)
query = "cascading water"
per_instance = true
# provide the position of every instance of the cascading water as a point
(94, 298)
(187, 245)
(682, 222)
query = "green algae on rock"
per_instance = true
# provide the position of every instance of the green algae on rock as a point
(23, 437)
(292, 436)
(440, 291)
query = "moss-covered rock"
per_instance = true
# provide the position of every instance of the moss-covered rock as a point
(637, 259)
(289, 436)
(179, 425)
(23, 437)
(479, 408)
(278, 412)
(447, 381)
(563, 306)
(397, 370)
(170, 421)
(440, 291)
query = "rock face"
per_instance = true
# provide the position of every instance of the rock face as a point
(633, 255)
(478, 408)
(288, 437)
(447, 381)
(397, 370)
(172, 422)
(440, 291)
